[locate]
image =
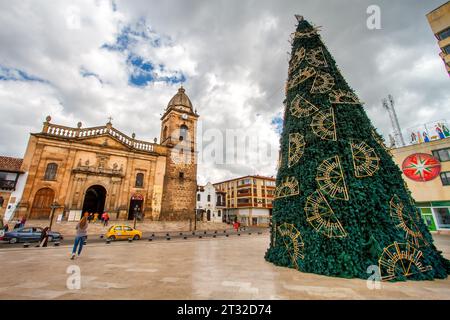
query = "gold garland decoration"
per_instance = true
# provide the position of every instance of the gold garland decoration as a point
(302, 75)
(330, 179)
(297, 58)
(403, 220)
(300, 107)
(323, 82)
(400, 258)
(296, 148)
(305, 34)
(321, 217)
(324, 125)
(316, 58)
(365, 159)
(293, 241)
(341, 96)
(288, 187)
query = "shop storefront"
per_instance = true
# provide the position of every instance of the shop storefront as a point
(436, 214)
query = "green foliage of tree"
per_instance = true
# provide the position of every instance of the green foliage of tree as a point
(373, 212)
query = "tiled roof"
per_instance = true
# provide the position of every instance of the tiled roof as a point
(10, 164)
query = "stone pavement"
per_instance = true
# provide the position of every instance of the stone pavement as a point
(220, 268)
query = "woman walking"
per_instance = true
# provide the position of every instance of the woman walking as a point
(80, 237)
(44, 237)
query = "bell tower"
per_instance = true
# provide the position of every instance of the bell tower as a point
(178, 134)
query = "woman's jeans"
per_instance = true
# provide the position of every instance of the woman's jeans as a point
(79, 241)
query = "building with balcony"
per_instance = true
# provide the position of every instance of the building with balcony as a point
(426, 171)
(11, 181)
(210, 203)
(248, 199)
(439, 20)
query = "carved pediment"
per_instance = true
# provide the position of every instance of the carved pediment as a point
(104, 141)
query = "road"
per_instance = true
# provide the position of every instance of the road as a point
(154, 236)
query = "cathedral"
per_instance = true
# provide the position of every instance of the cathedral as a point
(100, 169)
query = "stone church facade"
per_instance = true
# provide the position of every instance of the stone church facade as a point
(101, 169)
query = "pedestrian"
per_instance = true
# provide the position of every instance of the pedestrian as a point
(80, 237)
(22, 221)
(17, 225)
(44, 237)
(236, 225)
(90, 217)
(95, 217)
(105, 219)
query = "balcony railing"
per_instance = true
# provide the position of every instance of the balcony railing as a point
(68, 132)
(7, 184)
(220, 204)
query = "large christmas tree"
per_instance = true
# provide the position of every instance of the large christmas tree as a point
(341, 203)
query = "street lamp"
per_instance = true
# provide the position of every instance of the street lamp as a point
(195, 219)
(53, 206)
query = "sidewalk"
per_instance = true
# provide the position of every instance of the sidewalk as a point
(68, 228)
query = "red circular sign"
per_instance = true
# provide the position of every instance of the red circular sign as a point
(421, 167)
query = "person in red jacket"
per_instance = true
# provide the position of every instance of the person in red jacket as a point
(105, 217)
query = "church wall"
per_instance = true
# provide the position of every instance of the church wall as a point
(73, 178)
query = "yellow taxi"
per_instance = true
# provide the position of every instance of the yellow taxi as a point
(119, 232)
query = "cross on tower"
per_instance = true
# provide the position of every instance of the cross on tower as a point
(110, 119)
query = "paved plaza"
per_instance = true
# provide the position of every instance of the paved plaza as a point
(214, 268)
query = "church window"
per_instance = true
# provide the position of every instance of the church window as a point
(209, 198)
(199, 197)
(50, 172)
(183, 132)
(139, 180)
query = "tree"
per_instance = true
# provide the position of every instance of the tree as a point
(341, 204)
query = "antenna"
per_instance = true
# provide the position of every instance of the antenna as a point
(398, 137)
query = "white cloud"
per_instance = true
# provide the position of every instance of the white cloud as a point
(232, 54)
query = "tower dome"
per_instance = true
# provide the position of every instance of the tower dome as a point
(180, 99)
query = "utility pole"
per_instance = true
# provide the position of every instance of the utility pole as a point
(53, 206)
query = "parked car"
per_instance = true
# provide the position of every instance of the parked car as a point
(118, 232)
(29, 234)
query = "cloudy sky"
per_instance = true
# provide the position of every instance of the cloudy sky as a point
(88, 60)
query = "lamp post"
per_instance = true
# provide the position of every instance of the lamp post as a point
(137, 210)
(53, 206)
(195, 219)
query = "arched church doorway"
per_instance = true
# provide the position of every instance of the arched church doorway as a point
(41, 204)
(136, 204)
(94, 200)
